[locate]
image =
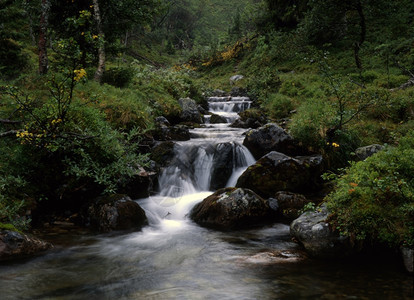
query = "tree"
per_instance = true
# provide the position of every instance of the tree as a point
(12, 60)
(101, 49)
(284, 14)
(44, 24)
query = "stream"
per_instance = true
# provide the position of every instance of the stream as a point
(173, 258)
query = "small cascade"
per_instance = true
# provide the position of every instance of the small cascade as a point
(212, 159)
(229, 106)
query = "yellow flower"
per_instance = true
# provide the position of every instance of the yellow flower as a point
(335, 145)
(82, 33)
(79, 74)
(94, 36)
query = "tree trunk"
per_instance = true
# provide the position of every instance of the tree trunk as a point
(43, 59)
(101, 49)
(362, 35)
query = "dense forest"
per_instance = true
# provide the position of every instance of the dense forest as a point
(83, 82)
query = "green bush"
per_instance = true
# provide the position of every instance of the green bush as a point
(374, 199)
(118, 77)
(310, 123)
(278, 106)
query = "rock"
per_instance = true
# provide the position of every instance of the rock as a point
(364, 152)
(238, 92)
(271, 137)
(162, 121)
(163, 153)
(290, 204)
(140, 185)
(219, 93)
(167, 133)
(190, 111)
(235, 78)
(222, 165)
(202, 110)
(250, 118)
(312, 230)
(14, 244)
(232, 208)
(408, 259)
(215, 119)
(278, 172)
(116, 212)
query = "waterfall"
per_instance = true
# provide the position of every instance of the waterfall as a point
(213, 158)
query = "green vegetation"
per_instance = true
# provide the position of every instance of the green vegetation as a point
(374, 199)
(82, 82)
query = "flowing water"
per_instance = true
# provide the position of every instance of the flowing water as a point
(173, 258)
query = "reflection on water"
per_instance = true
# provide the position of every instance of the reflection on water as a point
(175, 259)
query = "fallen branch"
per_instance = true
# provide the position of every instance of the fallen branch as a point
(5, 121)
(7, 133)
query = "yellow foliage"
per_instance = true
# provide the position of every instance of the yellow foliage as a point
(79, 74)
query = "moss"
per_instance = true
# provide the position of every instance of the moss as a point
(7, 226)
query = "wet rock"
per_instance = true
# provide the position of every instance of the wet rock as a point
(364, 152)
(223, 167)
(14, 245)
(271, 137)
(116, 212)
(232, 208)
(250, 118)
(408, 259)
(312, 230)
(219, 93)
(278, 172)
(141, 184)
(189, 111)
(215, 119)
(168, 133)
(162, 121)
(290, 204)
(235, 78)
(238, 92)
(163, 153)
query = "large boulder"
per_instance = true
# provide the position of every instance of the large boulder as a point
(250, 118)
(290, 204)
(408, 259)
(278, 172)
(15, 244)
(364, 152)
(163, 153)
(189, 111)
(116, 212)
(312, 230)
(271, 137)
(232, 208)
(167, 133)
(222, 165)
(141, 184)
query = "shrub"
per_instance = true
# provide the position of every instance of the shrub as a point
(310, 123)
(278, 106)
(374, 199)
(118, 77)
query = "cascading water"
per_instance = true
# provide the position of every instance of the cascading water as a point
(175, 259)
(212, 159)
(214, 151)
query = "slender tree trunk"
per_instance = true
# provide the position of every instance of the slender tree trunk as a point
(43, 59)
(101, 50)
(363, 26)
